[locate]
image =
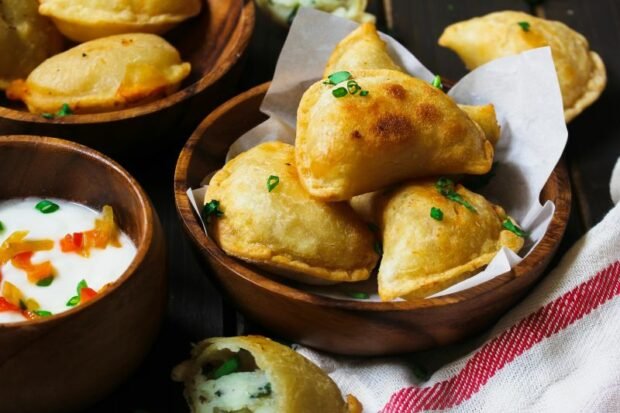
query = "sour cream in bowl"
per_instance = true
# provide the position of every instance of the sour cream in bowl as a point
(56, 255)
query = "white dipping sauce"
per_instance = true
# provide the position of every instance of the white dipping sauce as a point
(103, 266)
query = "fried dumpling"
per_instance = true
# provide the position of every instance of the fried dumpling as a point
(86, 20)
(104, 75)
(255, 374)
(435, 235)
(269, 219)
(26, 39)
(364, 49)
(401, 128)
(581, 72)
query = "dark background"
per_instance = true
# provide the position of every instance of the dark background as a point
(196, 309)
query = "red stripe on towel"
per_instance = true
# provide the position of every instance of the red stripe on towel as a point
(493, 356)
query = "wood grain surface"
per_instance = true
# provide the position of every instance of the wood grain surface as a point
(196, 310)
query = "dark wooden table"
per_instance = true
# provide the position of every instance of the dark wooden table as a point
(196, 310)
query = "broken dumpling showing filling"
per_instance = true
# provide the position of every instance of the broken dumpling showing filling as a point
(256, 375)
(86, 20)
(103, 75)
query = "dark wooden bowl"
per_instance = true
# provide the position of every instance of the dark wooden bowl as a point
(67, 361)
(342, 326)
(212, 42)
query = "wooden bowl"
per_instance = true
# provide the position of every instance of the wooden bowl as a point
(342, 326)
(64, 362)
(212, 42)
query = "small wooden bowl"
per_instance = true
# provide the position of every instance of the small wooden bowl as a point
(67, 361)
(212, 42)
(342, 326)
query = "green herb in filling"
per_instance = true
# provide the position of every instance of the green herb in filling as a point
(525, 26)
(436, 213)
(263, 391)
(47, 207)
(228, 367)
(272, 182)
(510, 226)
(212, 208)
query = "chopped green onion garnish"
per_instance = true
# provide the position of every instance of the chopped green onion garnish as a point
(81, 285)
(45, 282)
(353, 87)
(358, 295)
(272, 182)
(510, 226)
(64, 110)
(364, 93)
(339, 92)
(436, 213)
(378, 248)
(1, 226)
(445, 187)
(212, 208)
(43, 313)
(228, 367)
(47, 207)
(337, 77)
(437, 82)
(525, 26)
(73, 301)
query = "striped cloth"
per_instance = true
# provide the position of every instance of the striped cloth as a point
(557, 351)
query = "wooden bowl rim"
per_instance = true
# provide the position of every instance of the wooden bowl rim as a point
(240, 269)
(143, 244)
(246, 20)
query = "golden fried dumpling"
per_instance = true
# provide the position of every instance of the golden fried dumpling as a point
(361, 49)
(401, 128)
(26, 39)
(283, 229)
(104, 75)
(86, 20)
(581, 72)
(284, 11)
(435, 235)
(255, 374)
(364, 49)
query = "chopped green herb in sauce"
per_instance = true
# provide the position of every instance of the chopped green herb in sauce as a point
(212, 208)
(436, 214)
(45, 282)
(525, 26)
(43, 313)
(272, 182)
(230, 366)
(437, 82)
(510, 226)
(47, 207)
(445, 187)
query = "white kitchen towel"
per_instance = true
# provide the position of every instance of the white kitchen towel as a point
(557, 351)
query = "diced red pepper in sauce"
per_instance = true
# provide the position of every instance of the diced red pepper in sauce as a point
(7, 306)
(87, 294)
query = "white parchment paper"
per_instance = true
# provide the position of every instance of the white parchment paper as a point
(523, 88)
